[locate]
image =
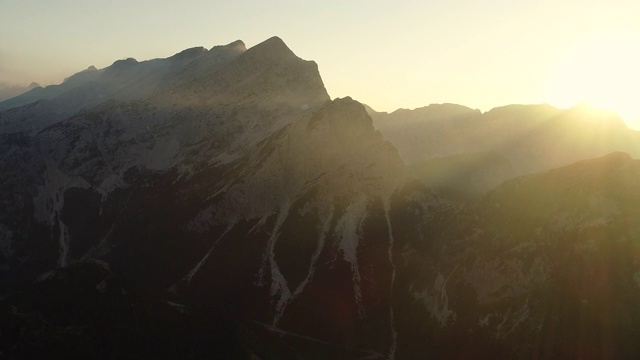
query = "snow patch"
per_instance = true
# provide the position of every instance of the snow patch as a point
(437, 301)
(349, 228)
(110, 183)
(193, 271)
(511, 320)
(312, 268)
(46, 276)
(223, 159)
(278, 287)
(484, 321)
(316, 254)
(636, 277)
(394, 333)
(181, 308)
(49, 202)
(104, 247)
(63, 242)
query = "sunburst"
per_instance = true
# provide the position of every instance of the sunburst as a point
(603, 70)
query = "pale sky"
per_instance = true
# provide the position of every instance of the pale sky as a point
(387, 54)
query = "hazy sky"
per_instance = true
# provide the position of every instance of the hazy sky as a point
(388, 54)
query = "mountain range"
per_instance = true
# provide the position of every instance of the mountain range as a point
(10, 91)
(218, 203)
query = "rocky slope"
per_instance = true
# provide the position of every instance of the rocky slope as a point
(124, 80)
(221, 199)
(242, 181)
(545, 267)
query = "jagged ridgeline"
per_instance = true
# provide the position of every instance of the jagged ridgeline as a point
(218, 203)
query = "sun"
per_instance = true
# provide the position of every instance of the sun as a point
(602, 70)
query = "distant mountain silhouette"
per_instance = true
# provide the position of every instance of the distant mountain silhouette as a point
(7, 91)
(532, 137)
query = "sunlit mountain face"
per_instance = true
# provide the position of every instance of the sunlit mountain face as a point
(218, 203)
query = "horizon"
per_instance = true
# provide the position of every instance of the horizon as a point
(388, 56)
(320, 179)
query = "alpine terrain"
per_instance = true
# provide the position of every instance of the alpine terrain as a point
(218, 203)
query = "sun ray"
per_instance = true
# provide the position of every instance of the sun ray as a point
(601, 70)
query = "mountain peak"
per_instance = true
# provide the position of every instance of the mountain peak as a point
(272, 48)
(439, 110)
(274, 40)
(120, 66)
(348, 117)
(82, 75)
(190, 53)
(237, 45)
(124, 62)
(524, 108)
(619, 155)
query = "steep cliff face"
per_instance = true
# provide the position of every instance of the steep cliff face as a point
(221, 194)
(97, 152)
(310, 202)
(244, 182)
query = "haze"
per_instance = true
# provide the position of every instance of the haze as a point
(386, 54)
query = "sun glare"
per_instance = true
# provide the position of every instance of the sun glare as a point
(602, 70)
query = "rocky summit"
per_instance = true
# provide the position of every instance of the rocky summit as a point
(218, 203)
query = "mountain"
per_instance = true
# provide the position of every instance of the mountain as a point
(9, 91)
(533, 138)
(545, 267)
(218, 203)
(124, 80)
(273, 189)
